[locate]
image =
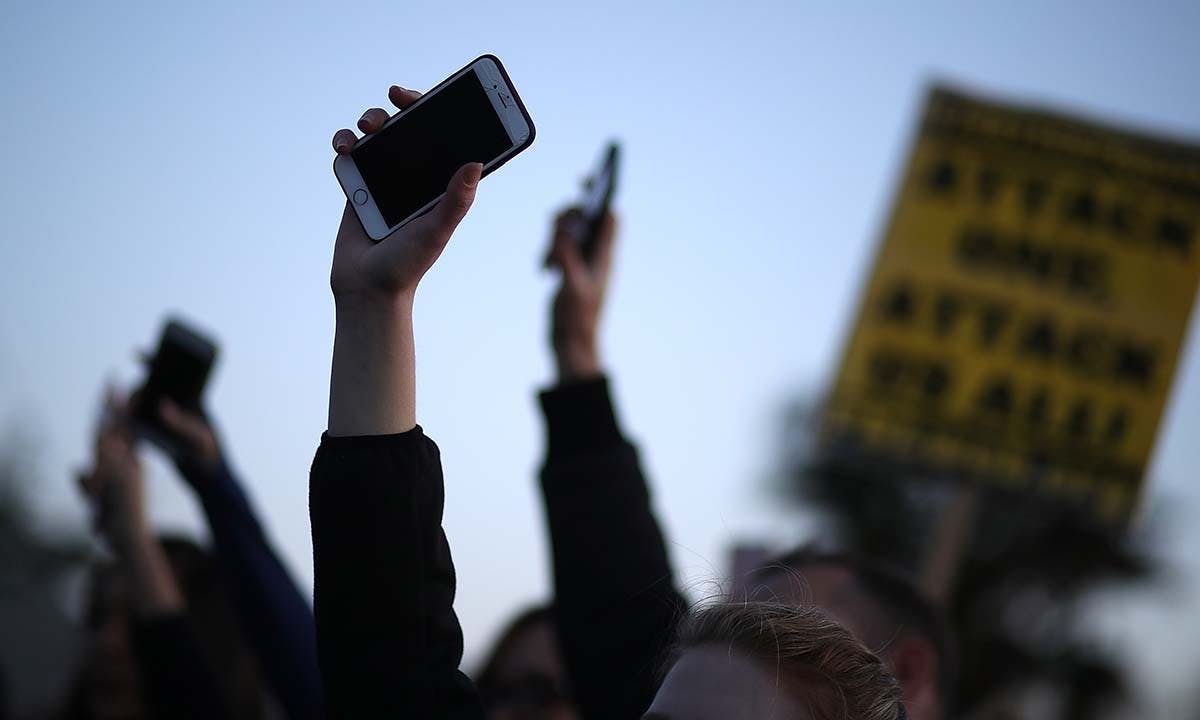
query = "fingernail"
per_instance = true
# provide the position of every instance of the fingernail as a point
(362, 119)
(474, 173)
(341, 145)
(398, 88)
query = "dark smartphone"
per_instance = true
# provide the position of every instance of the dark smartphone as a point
(598, 198)
(178, 372)
(399, 173)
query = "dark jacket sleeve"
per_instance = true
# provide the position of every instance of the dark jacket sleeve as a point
(615, 597)
(274, 613)
(388, 641)
(179, 683)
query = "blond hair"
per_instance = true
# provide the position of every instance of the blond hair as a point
(806, 644)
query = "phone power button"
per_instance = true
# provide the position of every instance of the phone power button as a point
(360, 196)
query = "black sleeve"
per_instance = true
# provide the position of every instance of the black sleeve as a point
(179, 683)
(615, 597)
(274, 613)
(388, 641)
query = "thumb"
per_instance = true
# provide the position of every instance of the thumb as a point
(569, 257)
(460, 193)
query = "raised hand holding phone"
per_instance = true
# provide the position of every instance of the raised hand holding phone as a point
(372, 385)
(599, 191)
(177, 373)
(397, 172)
(575, 314)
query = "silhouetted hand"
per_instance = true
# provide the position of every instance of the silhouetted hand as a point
(115, 487)
(115, 483)
(195, 443)
(575, 316)
(394, 266)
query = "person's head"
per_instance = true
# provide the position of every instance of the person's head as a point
(107, 683)
(524, 676)
(760, 659)
(883, 609)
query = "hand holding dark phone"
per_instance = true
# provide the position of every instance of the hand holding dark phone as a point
(598, 198)
(399, 171)
(178, 372)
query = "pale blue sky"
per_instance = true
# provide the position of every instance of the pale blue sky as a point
(176, 157)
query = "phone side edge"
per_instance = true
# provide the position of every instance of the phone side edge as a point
(375, 226)
(516, 96)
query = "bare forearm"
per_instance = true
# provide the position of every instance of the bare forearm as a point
(155, 591)
(372, 389)
(577, 362)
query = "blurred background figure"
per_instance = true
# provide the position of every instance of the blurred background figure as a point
(883, 609)
(1018, 608)
(111, 680)
(523, 676)
(41, 568)
(237, 606)
(772, 660)
(163, 640)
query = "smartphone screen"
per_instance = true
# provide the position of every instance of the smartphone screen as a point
(180, 373)
(409, 163)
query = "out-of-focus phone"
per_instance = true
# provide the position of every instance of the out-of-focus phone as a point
(178, 372)
(400, 172)
(598, 197)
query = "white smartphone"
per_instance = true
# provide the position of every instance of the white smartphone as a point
(400, 172)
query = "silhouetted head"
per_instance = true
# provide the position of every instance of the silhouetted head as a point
(524, 676)
(882, 608)
(108, 684)
(772, 660)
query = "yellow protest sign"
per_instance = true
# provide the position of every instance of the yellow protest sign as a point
(1026, 309)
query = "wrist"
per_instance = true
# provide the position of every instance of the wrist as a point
(155, 590)
(373, 306)
(577, 361)
(372, 385)
(132, 537)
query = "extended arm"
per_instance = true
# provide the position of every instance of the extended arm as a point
(274, 613)
(178, 681)
(388, 640)
(615, 596)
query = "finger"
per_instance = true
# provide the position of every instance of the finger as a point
(569, 221)
(108, 448)
(552, 253)
(182, 423)
(343, 141)
(402, 97)
(460, 193)
(569, 257)
(606, 239)
(568, 224)
(115, 415)
(372, 120)
(87, 483)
